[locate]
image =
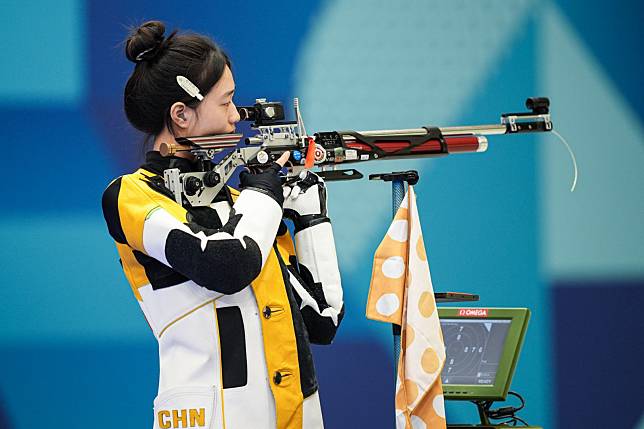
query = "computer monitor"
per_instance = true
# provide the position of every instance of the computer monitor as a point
(482, 349)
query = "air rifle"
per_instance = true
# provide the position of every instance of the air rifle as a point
(326, 150)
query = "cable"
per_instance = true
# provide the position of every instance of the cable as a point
(572, 156)
(508, 414)
(513, 422)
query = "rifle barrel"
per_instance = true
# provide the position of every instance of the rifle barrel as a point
(447, 131)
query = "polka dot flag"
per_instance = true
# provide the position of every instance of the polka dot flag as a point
(401, 292)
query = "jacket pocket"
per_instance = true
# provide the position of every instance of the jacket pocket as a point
(187, 407)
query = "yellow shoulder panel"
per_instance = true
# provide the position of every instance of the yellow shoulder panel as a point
(136, 201)
(134, 272)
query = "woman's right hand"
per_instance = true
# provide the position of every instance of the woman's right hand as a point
(267, 181)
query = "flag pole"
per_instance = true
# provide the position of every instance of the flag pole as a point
(397, 180)
(397, 194)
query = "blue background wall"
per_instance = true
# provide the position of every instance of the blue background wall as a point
(74, 349)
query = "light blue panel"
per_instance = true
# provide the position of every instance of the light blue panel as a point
(43, 52)
(61, 280)
(597, 231)
(77, 383)
(375, 65)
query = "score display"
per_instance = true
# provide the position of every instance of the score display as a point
(473, 350)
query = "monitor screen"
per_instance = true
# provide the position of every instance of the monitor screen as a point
(474, 349)
(482, 346)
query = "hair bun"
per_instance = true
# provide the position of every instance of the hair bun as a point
(144, 42)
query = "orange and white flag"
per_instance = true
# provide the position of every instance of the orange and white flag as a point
(401, 292)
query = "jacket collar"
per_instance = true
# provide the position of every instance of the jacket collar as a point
(156, 163)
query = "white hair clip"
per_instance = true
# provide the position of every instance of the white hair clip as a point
(189, 87)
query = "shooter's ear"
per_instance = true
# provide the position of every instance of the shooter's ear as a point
(181, 115)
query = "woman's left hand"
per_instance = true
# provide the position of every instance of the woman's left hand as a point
(305, 197)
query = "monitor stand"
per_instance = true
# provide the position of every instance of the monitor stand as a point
(483, 408)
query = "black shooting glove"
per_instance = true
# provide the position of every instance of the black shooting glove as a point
(267, 181)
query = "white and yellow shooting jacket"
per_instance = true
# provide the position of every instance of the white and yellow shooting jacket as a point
(232, 301)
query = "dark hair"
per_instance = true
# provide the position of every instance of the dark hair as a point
(152, 88)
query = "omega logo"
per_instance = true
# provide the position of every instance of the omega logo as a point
(472, 312)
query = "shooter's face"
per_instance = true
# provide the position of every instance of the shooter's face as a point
(216, 113)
